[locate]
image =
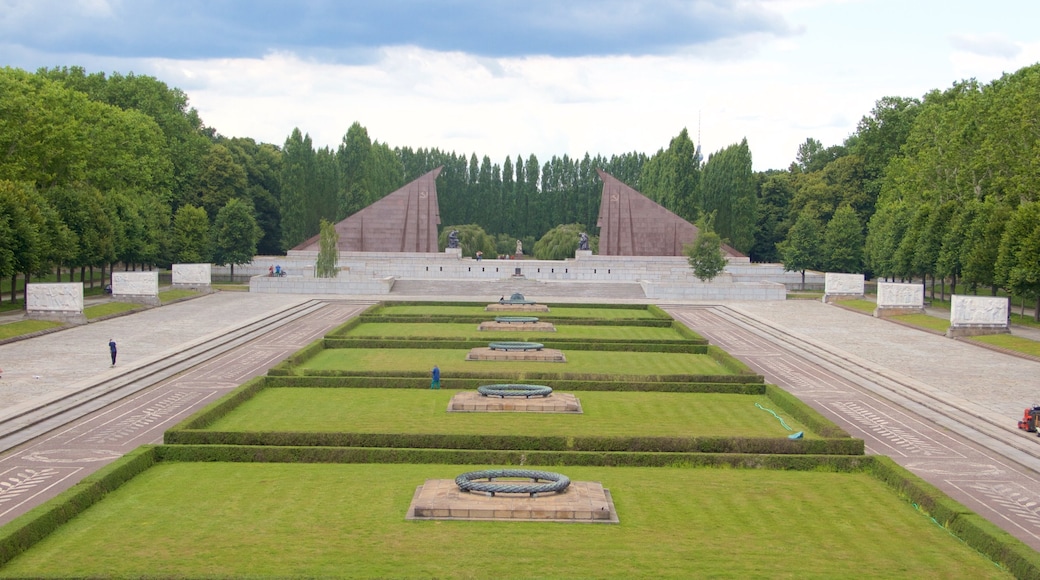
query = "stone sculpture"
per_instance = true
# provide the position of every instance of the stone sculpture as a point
(583, 241)
(453, 239)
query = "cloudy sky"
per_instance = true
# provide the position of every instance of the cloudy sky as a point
(549, 77)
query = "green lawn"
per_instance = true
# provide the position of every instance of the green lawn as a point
(925, 321)
(605, 414)
(1008, 341)
(109, 308)
(454, 361)
(555, 312)
(22, 327)
(336, 520)
(171, 295)
(469, 331)
(863, 305)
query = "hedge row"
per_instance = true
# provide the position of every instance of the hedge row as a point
(471, 384)
(542, 317)
(310, 454)
(760, 445)
(803, 413)
(974, 530)
(499, 377)
(216, 410)
(646, 307)
(548, 342)
(31, 527)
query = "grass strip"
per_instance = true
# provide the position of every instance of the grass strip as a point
(24, 327)
(335, 520)
(454, 360)
(1011, 342)
(606, 414)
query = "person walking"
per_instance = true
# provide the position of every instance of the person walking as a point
(112, 349)
(436, 382)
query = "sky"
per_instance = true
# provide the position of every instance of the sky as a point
(545, 77)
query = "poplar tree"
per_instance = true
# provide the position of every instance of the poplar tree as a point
(328, 251)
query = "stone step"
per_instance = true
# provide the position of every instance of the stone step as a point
(531, 289)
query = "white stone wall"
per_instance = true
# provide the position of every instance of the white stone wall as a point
(192, 274)
(439, 266)
(715, 291)
(135, 284)
(900, 295)
(837, 284)
(56, 298)
(342, 284)
(979, 311)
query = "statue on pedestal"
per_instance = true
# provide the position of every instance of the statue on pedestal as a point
(583, 241)
(453, 239)
(519, 248)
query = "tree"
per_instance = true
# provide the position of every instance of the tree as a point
(220, 181)
(354, 156)
(774, 198)
(235, 234)
(191, 242)
(800, 251)
(560, 242)
(328, 251)
(296, 177)
(843, 242)
(705, 253)
(728, 190)
(472, 239)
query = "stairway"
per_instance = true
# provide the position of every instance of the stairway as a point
(537, 290)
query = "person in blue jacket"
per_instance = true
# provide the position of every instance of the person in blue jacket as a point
(436, 382)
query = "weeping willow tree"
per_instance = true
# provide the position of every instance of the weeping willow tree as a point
(327, 251)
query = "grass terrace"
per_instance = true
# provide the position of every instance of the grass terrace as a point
(310, 471)
(348, 520)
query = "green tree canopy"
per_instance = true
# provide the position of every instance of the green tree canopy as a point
(191, 235)
(328, 250)
(235, 234)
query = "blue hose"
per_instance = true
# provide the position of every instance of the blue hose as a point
(786, 426)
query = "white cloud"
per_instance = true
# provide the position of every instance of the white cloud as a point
(992, 46)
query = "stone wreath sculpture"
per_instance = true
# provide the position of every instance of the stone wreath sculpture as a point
(470, 481)
(526, 391)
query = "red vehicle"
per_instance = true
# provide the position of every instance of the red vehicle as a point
(1029, 417)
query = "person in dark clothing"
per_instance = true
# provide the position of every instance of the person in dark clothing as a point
(112, 349)
(436, 382)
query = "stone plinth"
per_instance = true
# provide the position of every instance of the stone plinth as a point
(582, 502)
(977, 315)
(842, 287)
(544, 355)
(898, 299)
(56, 302)
(136, 287)
(192, 277)
(503, 307)
(474, 402)
(518, 326)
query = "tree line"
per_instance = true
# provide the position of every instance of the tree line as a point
(100, 169)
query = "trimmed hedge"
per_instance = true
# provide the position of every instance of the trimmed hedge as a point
(803, 413)
(216, 410)
(974, 530)
(516, 377)
(549, 342)
(542, 317)
(471, 384)
(29, 528)
(780, 446)
(289, 454)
